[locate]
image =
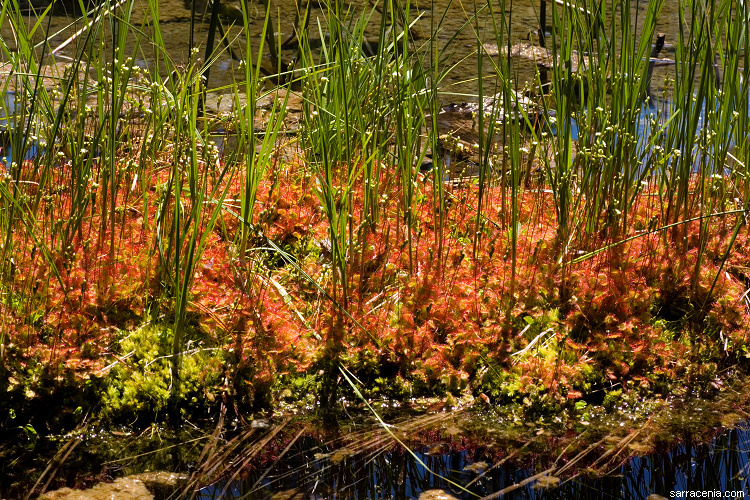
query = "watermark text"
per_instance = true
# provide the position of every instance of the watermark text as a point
(707, 494)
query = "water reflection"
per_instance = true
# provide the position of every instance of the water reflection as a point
(720, 467)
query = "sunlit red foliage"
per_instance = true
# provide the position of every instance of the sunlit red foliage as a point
(423, 297)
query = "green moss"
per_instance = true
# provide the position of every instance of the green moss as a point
(589, 377)
(138, 386)
(500, 385)
(298, 389)
(612, 399)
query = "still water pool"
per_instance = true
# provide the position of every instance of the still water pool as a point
(467, 470)
(673, 449)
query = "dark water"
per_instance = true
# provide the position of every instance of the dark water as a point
(312, 466)
(672, 453)
(720, 467)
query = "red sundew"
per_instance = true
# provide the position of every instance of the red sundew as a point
(467, 297)
(575, 345)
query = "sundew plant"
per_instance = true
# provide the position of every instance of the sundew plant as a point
(586, 232)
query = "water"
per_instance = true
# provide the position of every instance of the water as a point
(460, 84)
(174, 18)
(9, 110)
(721, 465)
(634, 450)
(305, 461)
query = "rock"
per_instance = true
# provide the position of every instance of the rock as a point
(436, 495)
(53, 75)
(477, 467)
(294, 101)
(136, 487)
(161, 484)
(260, 423)
(221, 104)
(124, 488)
(224, 104)
(547, 482)
(543, 57)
